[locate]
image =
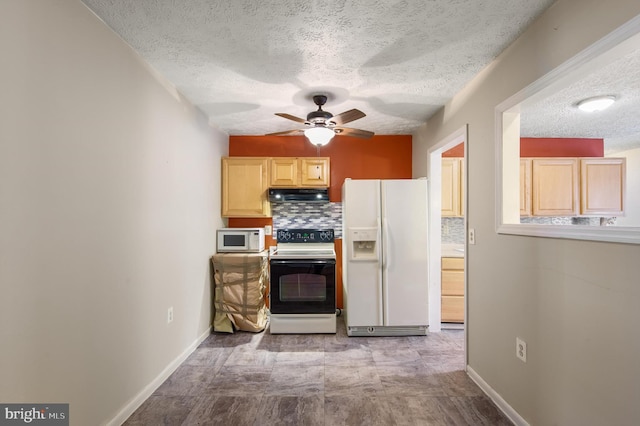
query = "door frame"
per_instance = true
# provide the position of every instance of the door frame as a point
(435, 219)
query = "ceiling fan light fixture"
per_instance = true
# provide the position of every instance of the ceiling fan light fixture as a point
(597, 103)
(319, 136)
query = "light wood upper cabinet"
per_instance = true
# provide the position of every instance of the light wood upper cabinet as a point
(462, 188)
(315, 171)
(555, 186)
(451, 187)
(300, 172)
(284, 171)
(602, 186)
(572, 186)
(244, 187)
(525, 187)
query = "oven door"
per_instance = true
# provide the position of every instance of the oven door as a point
(302, 286)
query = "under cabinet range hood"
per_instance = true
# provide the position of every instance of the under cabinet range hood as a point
(308, 195)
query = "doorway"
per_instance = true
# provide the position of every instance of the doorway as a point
(448, 228)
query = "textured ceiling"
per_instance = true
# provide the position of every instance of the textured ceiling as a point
(242, 61)
(558, 116)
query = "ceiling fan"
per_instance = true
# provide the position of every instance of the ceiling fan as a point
(322, 126)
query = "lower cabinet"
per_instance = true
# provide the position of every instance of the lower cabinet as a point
(452, 289)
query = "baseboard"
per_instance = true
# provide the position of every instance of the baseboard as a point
(145, 393)
(497, 399)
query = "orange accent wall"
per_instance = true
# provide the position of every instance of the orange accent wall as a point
(456, 151)
(561, 147)
(549, 147)
(381, 157)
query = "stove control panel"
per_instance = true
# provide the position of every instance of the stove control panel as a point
(305, 236)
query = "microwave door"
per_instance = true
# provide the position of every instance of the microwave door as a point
(235, 241)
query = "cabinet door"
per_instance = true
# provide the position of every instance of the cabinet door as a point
(525, 187)
(315, 171)
(462, 187)
(452, 301)
(450, 187)
(284, 171)
(555, 186)
(453, 283)
(452, 309)
(602, 186)
(451, 206)
(244, 187)
(452, 276)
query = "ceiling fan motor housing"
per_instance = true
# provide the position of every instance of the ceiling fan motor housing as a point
(324, 122)
(319, 116)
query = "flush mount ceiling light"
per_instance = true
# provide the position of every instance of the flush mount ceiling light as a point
(319, 136)
(597, 103)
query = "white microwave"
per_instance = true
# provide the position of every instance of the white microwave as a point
(240, 240)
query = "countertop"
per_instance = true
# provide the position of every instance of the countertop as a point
(452, 250)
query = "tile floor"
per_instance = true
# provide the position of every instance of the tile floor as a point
(264, 379)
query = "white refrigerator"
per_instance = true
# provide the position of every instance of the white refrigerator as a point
(385, 257)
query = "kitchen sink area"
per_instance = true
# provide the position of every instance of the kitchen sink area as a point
(452, 250)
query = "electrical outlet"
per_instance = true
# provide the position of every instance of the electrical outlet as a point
(521, 349)
(472, 236)
(268, 230)
(170, 315)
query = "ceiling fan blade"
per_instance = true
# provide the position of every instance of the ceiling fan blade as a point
(358, 133)
(286, 132)
(291, 117)
(348, 116)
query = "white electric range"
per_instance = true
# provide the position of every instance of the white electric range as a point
(303, 282)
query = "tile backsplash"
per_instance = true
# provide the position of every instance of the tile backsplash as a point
(329, 216)
(588, 221)
(452, 230)
(308, 215)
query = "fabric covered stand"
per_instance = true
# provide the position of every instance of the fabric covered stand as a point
(240, 287)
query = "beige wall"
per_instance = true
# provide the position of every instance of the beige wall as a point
(574, 302)
(109, 201)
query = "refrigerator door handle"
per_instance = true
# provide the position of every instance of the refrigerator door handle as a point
(384, 247)
(382, 302)
(380, 237)
(385, 271)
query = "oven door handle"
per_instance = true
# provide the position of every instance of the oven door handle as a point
(302, 262)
